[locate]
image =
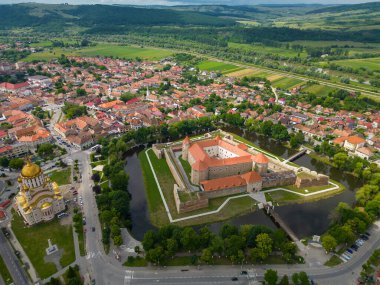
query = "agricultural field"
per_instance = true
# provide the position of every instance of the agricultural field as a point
(286, 83)
(320, 90)
(372, 64)
(262, 49)
(101, 50)
(218, 66)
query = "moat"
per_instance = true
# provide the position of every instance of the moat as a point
(304, 219)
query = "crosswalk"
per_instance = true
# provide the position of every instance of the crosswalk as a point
(92, 254)
(128, 277)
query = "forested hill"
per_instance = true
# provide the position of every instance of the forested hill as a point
(370, 7)
(57, 17)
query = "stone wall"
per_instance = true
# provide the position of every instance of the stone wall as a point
(276, 179)
(158, 150)
(319, 180)
(192, 205)
(177, 176)
(225, 192)
(229, 170)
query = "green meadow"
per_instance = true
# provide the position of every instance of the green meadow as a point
(261, 49)
(102, 50)
(217, 66)
(286, 82)
(372, 64)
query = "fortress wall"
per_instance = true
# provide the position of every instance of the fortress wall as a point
(226, 192)
(173, 170)
(276, 179)
(157, 151)
(188, 206)
(319, 180)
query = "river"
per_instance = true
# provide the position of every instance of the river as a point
(304, 219)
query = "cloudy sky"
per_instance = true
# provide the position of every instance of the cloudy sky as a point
(194, 2)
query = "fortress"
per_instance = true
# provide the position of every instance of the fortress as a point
(221, 166)
(217, 164)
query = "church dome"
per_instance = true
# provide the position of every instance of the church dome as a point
(30, 170)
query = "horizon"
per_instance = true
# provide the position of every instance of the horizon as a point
(190, 2)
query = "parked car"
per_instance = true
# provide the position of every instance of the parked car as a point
(243, 272)
(234, 278)
(364, 237)
(350, 251)
(354, 247)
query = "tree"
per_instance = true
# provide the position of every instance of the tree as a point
(118, 240)
(228, 230)
(264, 245)
(329, 243)
(120, 181)
(206, 256)
(284, 280)
(4, 161)
(304, 279)
(95, 177)
(366, 193)
(97, 189)
(171, 246)
(340, 159)
(271, 277)
(16, 163)
(189, 239)
(155, 254)
(149, 240)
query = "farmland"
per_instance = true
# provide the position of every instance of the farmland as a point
(372, 64)
(101, 50)
(218, 66)
(286, 83)
(321, 90)
(262, 49)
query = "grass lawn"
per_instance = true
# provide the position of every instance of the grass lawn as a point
(157, 211)
(62, 177)
(320, 90)
(284, 197)
(217, 66)
(333, 261)
(137, 261)
(372, 64)
(34, 241)
(286, 83)
(101, 50)
(4, 272)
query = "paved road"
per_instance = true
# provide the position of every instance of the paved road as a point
(108, 271)
(13, 264)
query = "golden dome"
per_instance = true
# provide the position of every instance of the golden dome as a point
(45, 205)
(25, 187)
(21, 200)
(19, 179)
(30, 169)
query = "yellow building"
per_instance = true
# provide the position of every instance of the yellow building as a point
(39, 199)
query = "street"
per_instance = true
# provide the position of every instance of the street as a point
(13, 264)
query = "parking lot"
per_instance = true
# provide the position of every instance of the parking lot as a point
(347, 255)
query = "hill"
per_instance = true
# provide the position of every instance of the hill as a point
(58, 17)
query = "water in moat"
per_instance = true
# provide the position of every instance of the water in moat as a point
(304, 219)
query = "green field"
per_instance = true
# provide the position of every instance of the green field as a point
(34, 241)
(372, 64)
(286, 83)
(217, 66)
(102, 50)
(262, 49)
(62, 177)
(316, 89)
(4, 272)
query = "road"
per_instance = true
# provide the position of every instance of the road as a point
(13, 264)
(107, 270)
